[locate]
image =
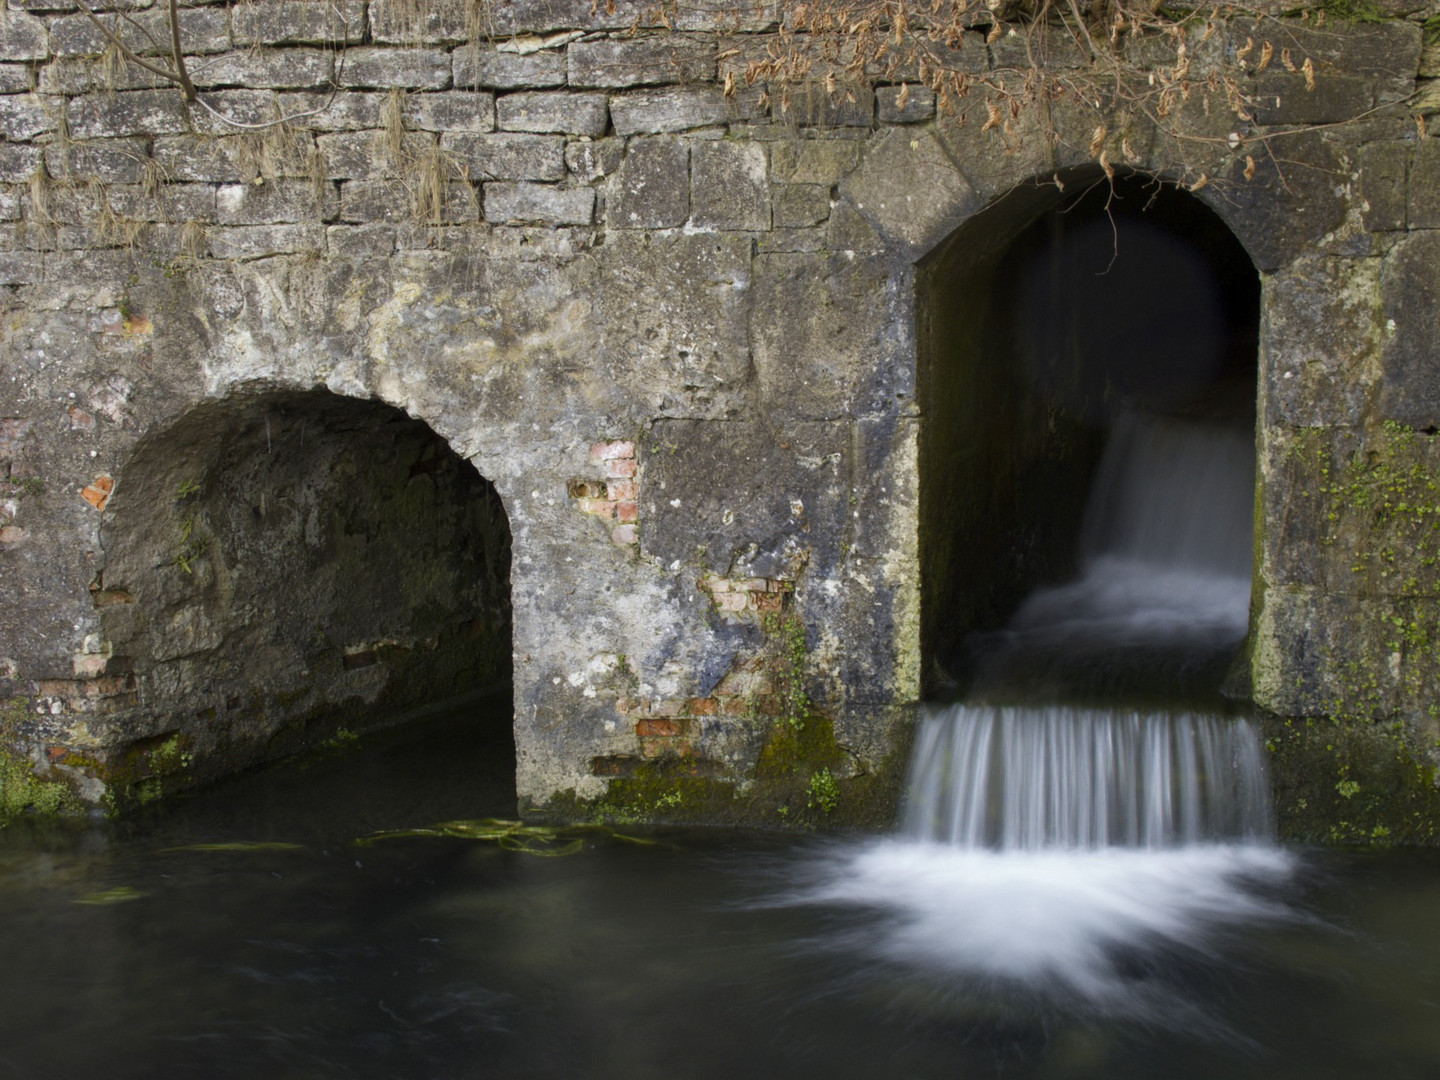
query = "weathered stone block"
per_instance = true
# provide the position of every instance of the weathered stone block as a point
(813, 161)
(390, 201)
(750, 499)
(1053, 47)
(273, 202)
(172, 202)
(680, 108)
(1320, 325)
(23, 116)
(650, 190)
(354, 110)
(1281, 98)
(300, 22)
(203, 30)
(798, 206)
(114, 161)
(729, 186)
(594, 158)
(1424, 186)
(415, 69)
(553, 113)
(400, 22)
(269, 69)
(21, 267)
(911, 190)
(1410, 299)
(23, 37)
(540, 16)
(541, 204)
(1383, 169)
(136, 112)
(823, 336)
(366, 155)
(14, 78)
(374, 241)
(507, 155)
(1280, 211)
(812, 106)
(491, 69)
(452, 110)
(646, 61)
(918, 104)
(1386, 54)
(18, 163)
(261, 241)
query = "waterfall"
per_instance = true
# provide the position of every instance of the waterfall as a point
(1165, 561)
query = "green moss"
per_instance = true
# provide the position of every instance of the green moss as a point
(22, 792)
(1339, 783)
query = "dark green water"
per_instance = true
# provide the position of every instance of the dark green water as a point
(428, 957)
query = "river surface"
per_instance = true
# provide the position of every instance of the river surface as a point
(131, 950)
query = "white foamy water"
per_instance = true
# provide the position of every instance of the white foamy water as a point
(1081, 927)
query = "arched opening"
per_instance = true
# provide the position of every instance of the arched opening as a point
(1055, 324)
(284, 565)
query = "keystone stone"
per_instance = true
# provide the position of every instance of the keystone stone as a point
(651, 61)
(507, 155)
(541, 204)
(546, 113)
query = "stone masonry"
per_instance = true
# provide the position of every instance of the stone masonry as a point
(669, 314)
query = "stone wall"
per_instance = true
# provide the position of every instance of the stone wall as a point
(674, 327)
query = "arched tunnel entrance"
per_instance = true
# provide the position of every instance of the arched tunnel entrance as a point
(283, 565)
(1052, 326)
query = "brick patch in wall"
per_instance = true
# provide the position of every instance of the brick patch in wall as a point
(747, 596)
(670, 727)
(615, 497)
(97, 492)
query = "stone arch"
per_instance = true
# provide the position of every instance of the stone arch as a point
(1007, 451)
(280, 563)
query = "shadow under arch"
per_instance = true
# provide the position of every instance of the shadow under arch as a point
(1040, 320)
(283, 564)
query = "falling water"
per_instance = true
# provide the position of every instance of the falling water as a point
(1165, 560)
(1061, 848)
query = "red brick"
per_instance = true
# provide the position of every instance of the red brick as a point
(715, 584)
(657, 726)
(755, 584)
(599, 507)
(769, 602)
(55, 753)
(624, 534)
(624, 490)
(627, 511)
(608, 451)
(702, 706)
(97, 494)
(621, 468)
(735, 706)
(731, 601)
(79, 419)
